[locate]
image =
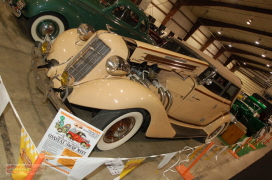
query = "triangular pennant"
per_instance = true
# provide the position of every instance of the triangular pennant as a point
(130, 165)
(28, 155)
(3, 96)
(166, 159)
(85, 166)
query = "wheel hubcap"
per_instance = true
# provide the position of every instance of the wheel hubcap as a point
(119, 130)
(214, 132)
(47, 27)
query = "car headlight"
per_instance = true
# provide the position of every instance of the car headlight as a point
(117, 66)
(66, 79)
(85, 31)
(46, 47)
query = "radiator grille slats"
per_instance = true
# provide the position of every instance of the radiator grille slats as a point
(89, 57)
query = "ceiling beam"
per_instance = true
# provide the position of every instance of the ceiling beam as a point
(208, 42)
(252, 67)
(224, 4)
(172, 12)
(219, 53)
(228, 39)
(192, 30)
(242, 59)
(240, 51)
(214, 23)
(159, 8)
(228, 61)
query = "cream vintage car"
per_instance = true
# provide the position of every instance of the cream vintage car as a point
(134, 85)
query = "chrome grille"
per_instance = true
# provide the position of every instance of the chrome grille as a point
(88, 58)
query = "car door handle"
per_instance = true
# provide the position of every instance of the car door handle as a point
(195, 98)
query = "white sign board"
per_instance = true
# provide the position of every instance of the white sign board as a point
(68, 136)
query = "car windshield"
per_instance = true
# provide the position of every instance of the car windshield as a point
(175, 46)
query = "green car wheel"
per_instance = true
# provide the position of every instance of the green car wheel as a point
(52, 24)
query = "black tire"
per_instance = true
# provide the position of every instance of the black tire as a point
(118, 126)
(52, 22)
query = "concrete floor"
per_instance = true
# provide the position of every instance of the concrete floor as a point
(15, 48)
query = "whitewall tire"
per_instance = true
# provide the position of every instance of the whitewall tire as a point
(118, 126)
(215, 133)
(51, 24)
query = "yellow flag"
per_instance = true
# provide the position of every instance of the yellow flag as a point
(130, 165)
(28, 155)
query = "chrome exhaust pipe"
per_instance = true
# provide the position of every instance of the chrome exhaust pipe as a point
(170, 100)
(162, 95)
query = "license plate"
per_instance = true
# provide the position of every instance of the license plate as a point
(20, 4)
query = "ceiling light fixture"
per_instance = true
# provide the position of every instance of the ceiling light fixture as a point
(264, 55)
(220, 32)
(249, 21)
(230, 45)
(268, 65)
(244, 63)
(258, 41)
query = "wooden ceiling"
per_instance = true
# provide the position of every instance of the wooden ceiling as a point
(230, 17)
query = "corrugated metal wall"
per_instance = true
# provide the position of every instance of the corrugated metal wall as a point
(249, 87)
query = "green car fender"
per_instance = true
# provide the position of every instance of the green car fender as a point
(36, 7)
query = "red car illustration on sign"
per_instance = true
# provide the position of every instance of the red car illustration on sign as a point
(79, 137)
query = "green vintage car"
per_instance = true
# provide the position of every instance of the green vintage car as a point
(53, 17)
(247, 110)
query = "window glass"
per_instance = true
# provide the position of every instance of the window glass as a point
(206, 73)
(220, 85)
(231, 92)
(126, 15)
(143, 26)
(172, 45)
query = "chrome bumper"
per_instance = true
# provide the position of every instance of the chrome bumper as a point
(43, 83)
(16, 10)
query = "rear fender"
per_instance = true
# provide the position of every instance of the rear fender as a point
(118, 93)
(214, 125)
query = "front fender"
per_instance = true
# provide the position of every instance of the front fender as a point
(35, 7)
(118, 93)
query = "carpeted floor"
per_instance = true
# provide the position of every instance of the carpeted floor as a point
(261, 170)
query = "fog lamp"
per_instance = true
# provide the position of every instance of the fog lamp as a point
(66, 79)
(46, 47)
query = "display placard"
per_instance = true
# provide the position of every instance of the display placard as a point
(68, 136)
